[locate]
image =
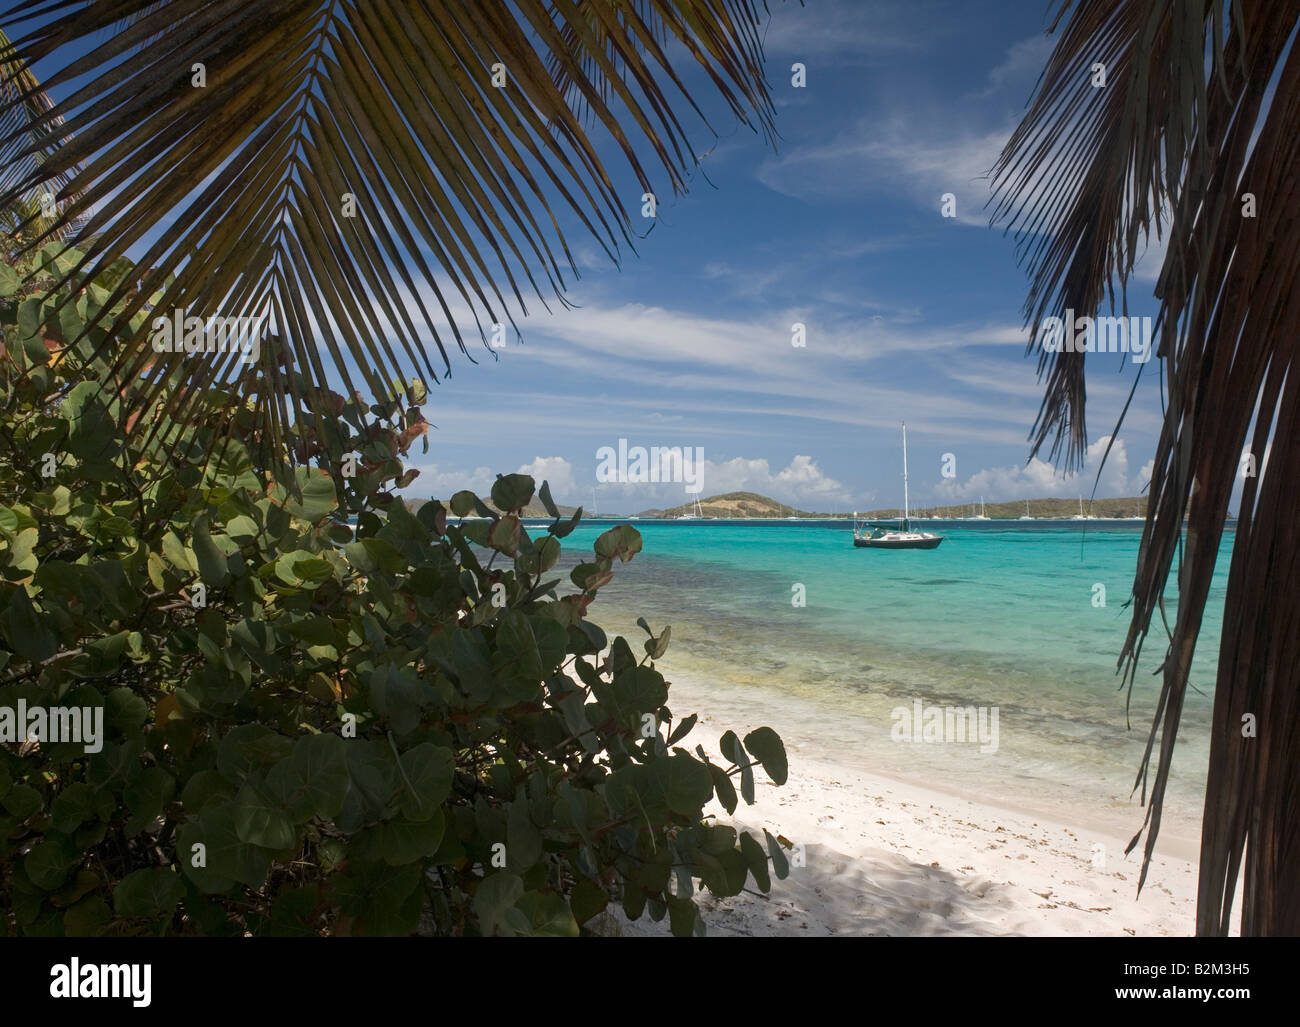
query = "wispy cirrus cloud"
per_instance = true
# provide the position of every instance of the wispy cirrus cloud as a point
(847, 31)
(1020, 67)
(894, 157)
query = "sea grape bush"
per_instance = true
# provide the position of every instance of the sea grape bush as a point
(323, 714)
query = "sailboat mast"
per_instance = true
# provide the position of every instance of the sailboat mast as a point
(905, 512)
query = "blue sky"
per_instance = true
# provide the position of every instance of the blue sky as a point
(910, 316)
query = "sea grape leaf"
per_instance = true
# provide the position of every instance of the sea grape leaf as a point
(725, 789)
(226, 859)
(313, 780)
(495, 894)
(513, 491)
(148, 893)
(548, 915)
(756, 857)
(25, 630)
(623, 541)
(428, 770)
(780, 865)
(212, 561)
(261, 820)
(769, 750)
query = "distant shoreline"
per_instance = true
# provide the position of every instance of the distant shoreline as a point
(750, 506)
(847, 520)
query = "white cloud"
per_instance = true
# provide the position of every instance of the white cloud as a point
(555, 470)
(669, 376)
(852, 31)
(801, 483)
(1039, 479)
(848, 374)
(1024, 61)
(897, 155)
(437, 483)
(441, 483)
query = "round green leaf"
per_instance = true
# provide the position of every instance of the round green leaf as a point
(767, 747)
(513, 491)
(261, 820)
(427, 771)
(148, 893)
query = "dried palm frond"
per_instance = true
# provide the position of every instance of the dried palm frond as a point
(1201, 108)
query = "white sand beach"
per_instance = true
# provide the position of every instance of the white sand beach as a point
(885, 857)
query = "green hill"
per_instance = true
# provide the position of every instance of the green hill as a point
(736, 504)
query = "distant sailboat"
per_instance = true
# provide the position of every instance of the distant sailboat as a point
(980, 516)
(881, 536)
(697, 511)
(1027, 516)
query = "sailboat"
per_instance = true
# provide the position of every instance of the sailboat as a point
(883, 535)
(1080, 515)
(697, 511)
(980, 516)
(1027, 517)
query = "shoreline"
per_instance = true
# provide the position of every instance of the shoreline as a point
(890, 856)
(742, 710)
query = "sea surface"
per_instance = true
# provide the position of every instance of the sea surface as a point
(1004, 614)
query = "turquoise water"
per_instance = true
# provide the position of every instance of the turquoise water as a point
(1001, 615)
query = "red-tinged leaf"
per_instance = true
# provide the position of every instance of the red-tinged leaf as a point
(504, 535)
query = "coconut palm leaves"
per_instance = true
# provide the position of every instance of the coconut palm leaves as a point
(372, 177)
(1197, 127)
(24, 106)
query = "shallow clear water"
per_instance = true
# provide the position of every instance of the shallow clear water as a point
(1001, 615)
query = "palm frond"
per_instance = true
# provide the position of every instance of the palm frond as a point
(24, 122)
(450, 124)
(1202, 106)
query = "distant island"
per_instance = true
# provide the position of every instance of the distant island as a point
(737, 504)
(751, 504)
(741, 505)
